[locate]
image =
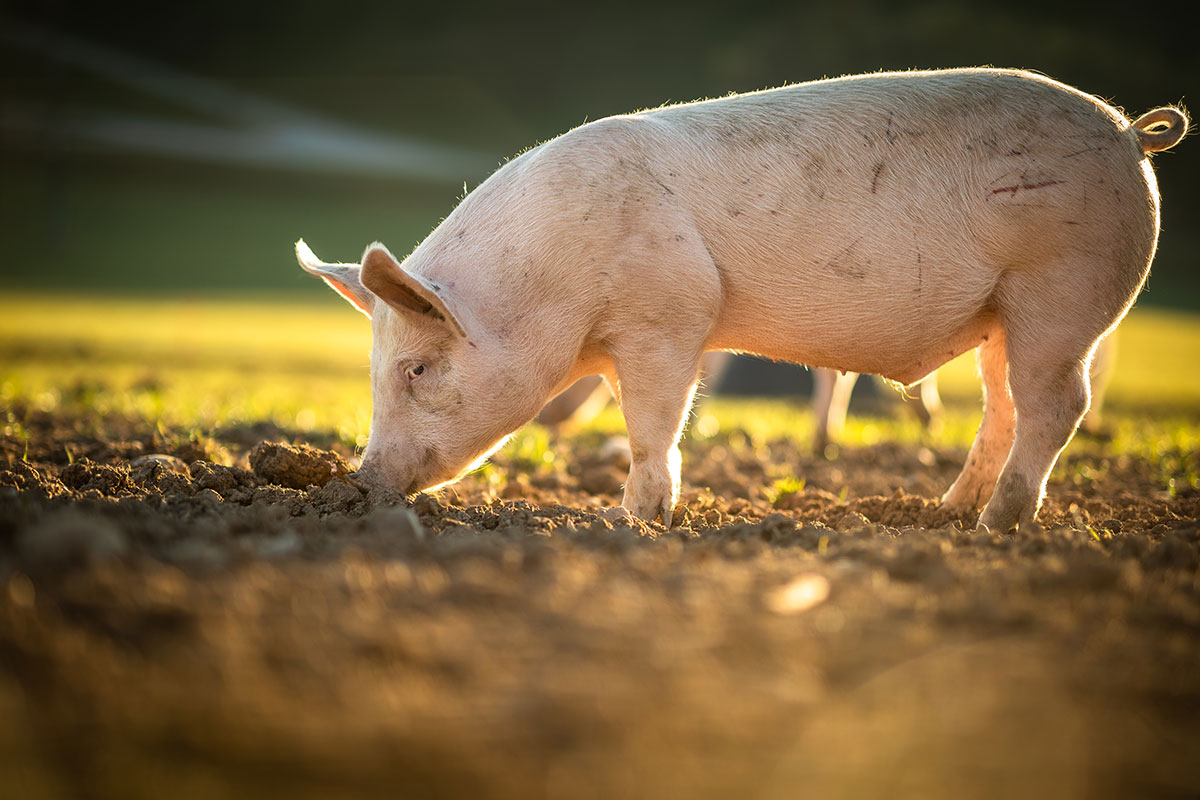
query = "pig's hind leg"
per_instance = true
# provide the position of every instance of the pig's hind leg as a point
(1049, 351)
(995, 437)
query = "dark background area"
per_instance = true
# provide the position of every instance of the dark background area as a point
(79, 211)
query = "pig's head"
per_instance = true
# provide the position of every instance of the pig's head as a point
(442, 399)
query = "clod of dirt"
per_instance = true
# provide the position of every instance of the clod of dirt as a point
(221, 479)
(27, 478)
(209, 497)
(385, 497)
(106, 479)
(338, 496)
(163, 460)
(852, 521)
(296, 466)
(164, 473)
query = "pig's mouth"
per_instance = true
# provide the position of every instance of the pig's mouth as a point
(431, 471)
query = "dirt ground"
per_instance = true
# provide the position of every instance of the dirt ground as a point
(221, 617)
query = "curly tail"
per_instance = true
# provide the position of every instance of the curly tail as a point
(1160, 129)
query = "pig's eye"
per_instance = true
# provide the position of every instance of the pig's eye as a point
(414, 371)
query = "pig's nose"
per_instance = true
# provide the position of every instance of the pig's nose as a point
(367, 477)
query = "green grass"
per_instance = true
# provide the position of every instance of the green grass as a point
(196, 364)
(191, 363)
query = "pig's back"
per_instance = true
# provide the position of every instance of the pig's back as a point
(885, 207)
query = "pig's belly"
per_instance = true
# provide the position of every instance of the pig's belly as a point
(903, 341)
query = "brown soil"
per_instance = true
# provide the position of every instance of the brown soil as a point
(196, 617)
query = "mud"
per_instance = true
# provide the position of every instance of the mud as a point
(296, 466)
(198, 616)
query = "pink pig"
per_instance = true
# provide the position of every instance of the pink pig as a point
(879, 223)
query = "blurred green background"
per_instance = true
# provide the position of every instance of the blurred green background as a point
(180, 148)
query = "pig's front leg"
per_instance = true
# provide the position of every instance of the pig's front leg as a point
(656, 389)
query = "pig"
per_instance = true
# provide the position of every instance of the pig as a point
(881, 223)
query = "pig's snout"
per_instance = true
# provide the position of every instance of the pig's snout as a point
(376, 474)
(366, 479)
(371, 476)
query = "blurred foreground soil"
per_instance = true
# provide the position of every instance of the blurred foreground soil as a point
(219, 618)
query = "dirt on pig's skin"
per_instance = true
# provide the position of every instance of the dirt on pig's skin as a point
(174, 626)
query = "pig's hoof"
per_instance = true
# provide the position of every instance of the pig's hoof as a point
(997, 523)
(666, 513)
(622, 514)
(665, 510)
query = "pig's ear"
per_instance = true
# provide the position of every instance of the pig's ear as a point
(345, 279)
(408, 293)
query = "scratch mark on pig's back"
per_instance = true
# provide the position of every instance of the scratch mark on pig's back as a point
(1026, 187)
(875, 176)
(1093, 149)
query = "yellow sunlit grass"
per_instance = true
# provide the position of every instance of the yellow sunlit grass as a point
(192, 363)
(303, 364)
